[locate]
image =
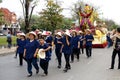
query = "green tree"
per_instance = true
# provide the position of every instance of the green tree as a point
(67, 22)
(35, 21)
(2, 21)
(111, 24)
(51, 17)
(0, 1)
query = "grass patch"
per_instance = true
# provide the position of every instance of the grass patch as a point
(3, 40)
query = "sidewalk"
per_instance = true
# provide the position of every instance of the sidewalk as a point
(5, 51)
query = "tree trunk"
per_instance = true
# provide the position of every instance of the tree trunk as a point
(27, 28)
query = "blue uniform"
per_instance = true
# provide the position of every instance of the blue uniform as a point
(67, 49)
(75, 41)
(21, 44)
(58, 47)
(48, 55)
(17, 41)
(49, 40)
(45, 62)
(75, 49)
(31, 48)
(81, 38)
(87, 37)
(20, 50)
(89, 45)
(30, 51)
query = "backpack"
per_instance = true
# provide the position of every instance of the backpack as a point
(117, 44)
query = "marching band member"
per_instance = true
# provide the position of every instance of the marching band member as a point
(17, 41)
(49, 40)
(20, 47)
(30, 53)
(75, 46)
(44, 63)
(39, 34)
(58, 47)
(81, 38)
(88, 38)
(67, 50)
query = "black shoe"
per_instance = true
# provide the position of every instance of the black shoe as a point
(21, 65)
(15, 57)
(43, 75)
(59, 66)
(29, 75)
(65, 70)
(37, 71)
(69, 68)
(88, 56)
(111, 68)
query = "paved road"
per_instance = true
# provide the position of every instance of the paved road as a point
(95, 68)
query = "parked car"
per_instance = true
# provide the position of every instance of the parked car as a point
(1, 34)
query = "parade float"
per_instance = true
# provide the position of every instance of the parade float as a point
(88, 20)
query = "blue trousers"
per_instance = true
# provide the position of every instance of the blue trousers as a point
(31, 62)
(89, 51)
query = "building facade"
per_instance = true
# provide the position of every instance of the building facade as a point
(10, 21)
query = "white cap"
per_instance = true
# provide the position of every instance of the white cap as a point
(68, 33)
(59, 33)
(74, 31)
(45, 33)
(80, 32)
(49, 32)
(21, 34)
(18, 34)
(32, 33)
(39, 32)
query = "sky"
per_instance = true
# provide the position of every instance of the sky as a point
(108, 8)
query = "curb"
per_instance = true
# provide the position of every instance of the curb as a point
(7, 53)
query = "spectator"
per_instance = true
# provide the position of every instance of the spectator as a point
(9, 40)
(116, 50)
(109, 40)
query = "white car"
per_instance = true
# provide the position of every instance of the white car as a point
(1, 34)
